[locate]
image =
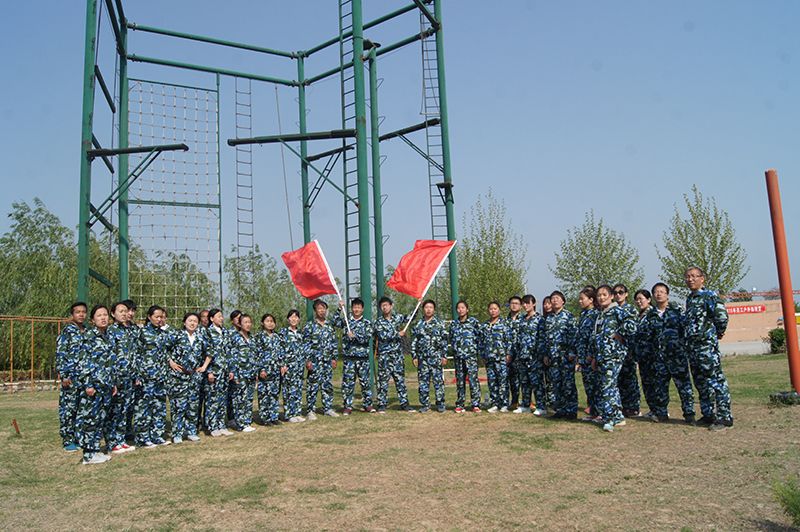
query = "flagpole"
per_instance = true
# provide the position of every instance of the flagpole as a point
(411, 317)
(333, 280)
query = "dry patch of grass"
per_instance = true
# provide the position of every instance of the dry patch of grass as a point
(419, 471)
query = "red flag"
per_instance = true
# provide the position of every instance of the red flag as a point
(418, 267)
(310, 272)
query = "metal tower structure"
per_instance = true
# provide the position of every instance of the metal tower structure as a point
(359, 149)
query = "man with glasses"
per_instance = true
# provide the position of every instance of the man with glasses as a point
(628, 381)
(705, 322)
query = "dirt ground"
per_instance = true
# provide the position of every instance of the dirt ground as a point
(419, 471)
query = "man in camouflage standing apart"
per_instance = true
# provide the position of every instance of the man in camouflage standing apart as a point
(390, 359)
(705, 322)
(67, 351)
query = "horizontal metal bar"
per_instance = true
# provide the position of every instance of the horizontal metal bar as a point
(96, 144)
(211, 40)
(327, 73)
(174, 203)
(408, 40)
(328, 153)
(179, 85)
(104, 87)
(100, 277)
(367, 25)
(136, 149)
(100, 218)
(212, 70)
(410, 129)
(293, 137)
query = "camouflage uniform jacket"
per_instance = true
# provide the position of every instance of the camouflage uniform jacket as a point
(319, 341)
(529, 337)
(97, 360)
(559, 335)
(358, 346)
(267, 348)
(430, 339)
(465, 337)
(387, 333)
(612, 321)
(68, 348)
(705, 319)
(496, 339)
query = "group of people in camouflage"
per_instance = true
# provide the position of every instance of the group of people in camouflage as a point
(117, 376)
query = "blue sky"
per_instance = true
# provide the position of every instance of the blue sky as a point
(559, 107)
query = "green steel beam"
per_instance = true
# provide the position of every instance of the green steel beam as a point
(175, 203)
(100, 218)
(100, 277)
(123, 20)
(328, 73)
(410, 129)
(376, 172)
(104, 87)
(123, 242)
(91, 154)
(106, 160)
(301, 102)
(115, 26)
(365, 269)
(294, 137)
(366, 26)
(408, 40)
(424, 155)
(124, 185)
(219, 189)
(421, 5)
(328, 153)
(211, 40)
(87, 114)
(448, 171)
(212, 70)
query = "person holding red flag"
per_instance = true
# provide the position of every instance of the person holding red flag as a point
(356, 355)
(429, 349)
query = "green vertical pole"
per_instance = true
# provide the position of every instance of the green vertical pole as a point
(376, 171)
(448, 176)
(122, 120)
(301, 99)
(365, 272)
(219, 202)
(87, 114)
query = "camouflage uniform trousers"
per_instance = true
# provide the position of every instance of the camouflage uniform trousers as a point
(391, 365)
(352, 367)
(467, 370)
(630, 393)
(319, 382)
(530, 382)
(497, 377)
(430, 369)
(184, 400)
(150, 413)
(548, 385)
(562, 373)
(201, 403)
(269, 396)
(609, 402)
(514, 383)
(216, 402)
(91, 418)
(292, 388)
(648, 376)
(242, 391)
(591, 385)
(67, 410)
(712, 386)
(673, 366)
(117, 421)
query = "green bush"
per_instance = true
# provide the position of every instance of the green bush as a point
(788, 494)
(777, 340)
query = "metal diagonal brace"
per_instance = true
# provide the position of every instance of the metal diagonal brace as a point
(434, 23)
(321, 174)
(422, 152)
(329, 165)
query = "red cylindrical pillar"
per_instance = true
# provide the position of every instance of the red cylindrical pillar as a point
(784, 277)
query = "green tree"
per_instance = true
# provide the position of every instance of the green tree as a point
(740, 294)
(704, 237)
(492, 259)
(595, 254)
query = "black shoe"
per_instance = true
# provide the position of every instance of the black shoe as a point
(440, 408)
(705, 421)
(721, 424)
(690, 420)
(407, 408)
(557, 415)
(570, 415)
(424, 410)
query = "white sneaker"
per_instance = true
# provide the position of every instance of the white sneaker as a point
(331, 412)
(620, 423)
(177, 440)
(149, 445)
(504, 410)
(296, 419)
(96, 458)
(216, 433)
(608, 427)
(521, 410)
(311, 416)
(193, 437)
(226, 432)
(493, 410)
(248, 428)
(539, 412)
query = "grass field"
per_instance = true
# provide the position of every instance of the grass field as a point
(411, 471)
